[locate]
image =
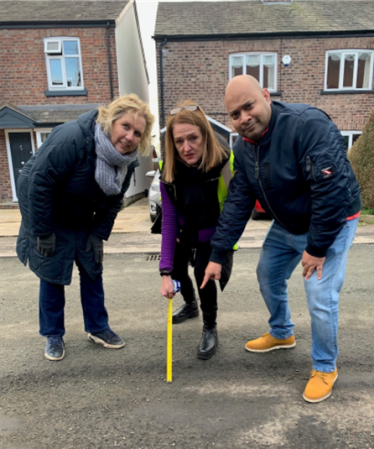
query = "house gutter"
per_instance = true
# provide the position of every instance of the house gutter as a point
(109, 61)
(162, 84)
(55, 23)
(277, 35)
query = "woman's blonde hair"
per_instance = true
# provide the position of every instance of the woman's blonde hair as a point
(121, 106)
(213, 152)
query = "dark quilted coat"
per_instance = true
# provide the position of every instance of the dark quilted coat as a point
(57, 193)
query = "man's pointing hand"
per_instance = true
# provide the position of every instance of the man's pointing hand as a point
(212, 272)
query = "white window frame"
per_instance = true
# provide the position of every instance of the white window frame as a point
(62, 57)
(350, 134)
(232, 135)
(59, 43)
(341, 72)
(261, 54)
(10, 162)
(39, 137)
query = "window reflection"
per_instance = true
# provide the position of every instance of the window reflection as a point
(236, 66)
(72, 72)
(333, 71)
(71, 48)
(56, 72)
(349, 62)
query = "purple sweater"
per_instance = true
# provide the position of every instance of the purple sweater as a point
(171, 221)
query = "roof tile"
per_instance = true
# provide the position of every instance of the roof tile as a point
(252, 17)
(60, 10)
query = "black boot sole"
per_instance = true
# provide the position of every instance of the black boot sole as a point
(177, 320)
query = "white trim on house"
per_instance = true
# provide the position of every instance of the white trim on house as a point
(9, 153)
(38, 134)
(354, 53)
(350, 135)
(62, 57)
(232, 136)
(261, 55)
(124, 12)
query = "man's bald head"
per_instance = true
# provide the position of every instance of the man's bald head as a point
(248, 106)
(240, 82)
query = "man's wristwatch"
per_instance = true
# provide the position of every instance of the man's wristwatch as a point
(165, 272)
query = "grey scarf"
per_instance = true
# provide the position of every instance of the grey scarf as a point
(111, 166)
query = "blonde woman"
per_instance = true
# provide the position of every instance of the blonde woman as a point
(69, 193)
(194, 180)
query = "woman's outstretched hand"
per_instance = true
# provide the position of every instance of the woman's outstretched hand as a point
(212, 272)
(167, 287)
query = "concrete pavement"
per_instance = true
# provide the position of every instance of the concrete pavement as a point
(131, 232)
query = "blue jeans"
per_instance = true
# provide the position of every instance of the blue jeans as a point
(280, 254)
(52, 303)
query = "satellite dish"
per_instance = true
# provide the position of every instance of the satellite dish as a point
(286, 60)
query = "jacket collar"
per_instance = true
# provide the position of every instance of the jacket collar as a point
(87, 123)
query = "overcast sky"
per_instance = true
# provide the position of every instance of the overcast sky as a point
(147, 17)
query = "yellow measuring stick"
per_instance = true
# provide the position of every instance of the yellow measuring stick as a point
(169, 355)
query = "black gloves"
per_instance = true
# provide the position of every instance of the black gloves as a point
(46, 245)
(96, 245)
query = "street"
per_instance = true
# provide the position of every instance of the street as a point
(98, 398)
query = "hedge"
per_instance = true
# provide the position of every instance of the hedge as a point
(361, 156)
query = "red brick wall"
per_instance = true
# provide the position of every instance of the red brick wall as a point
(200, 71)
(23, 73)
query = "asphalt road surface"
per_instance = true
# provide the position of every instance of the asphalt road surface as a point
(98, 398)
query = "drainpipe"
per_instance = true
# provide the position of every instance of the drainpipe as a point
(109, 61)
(162, 85)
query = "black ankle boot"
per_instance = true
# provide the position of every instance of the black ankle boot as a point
(208, 344)
(185, 312)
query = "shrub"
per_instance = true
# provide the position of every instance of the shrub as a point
(361, 156)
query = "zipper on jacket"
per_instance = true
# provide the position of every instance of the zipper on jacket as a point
(257, 176)
(214, 179)
(309, 166)
(172, 185)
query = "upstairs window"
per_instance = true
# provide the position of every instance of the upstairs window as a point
(262, 66)
(349, 70)
(64, 63)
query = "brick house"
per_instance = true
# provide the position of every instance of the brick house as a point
(304, 51)
(60, 59)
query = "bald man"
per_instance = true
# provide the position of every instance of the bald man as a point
(292, 158)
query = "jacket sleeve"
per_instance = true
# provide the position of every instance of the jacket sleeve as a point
(327, 170)
(54, 161)
(169, 230)
(235, 215)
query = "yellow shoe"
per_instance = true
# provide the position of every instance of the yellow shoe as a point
(268, 343)
(320, 386)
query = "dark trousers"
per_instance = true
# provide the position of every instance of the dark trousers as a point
(208, 295)
(52, 303)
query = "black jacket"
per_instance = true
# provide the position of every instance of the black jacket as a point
(57, 193)
(301, 176)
